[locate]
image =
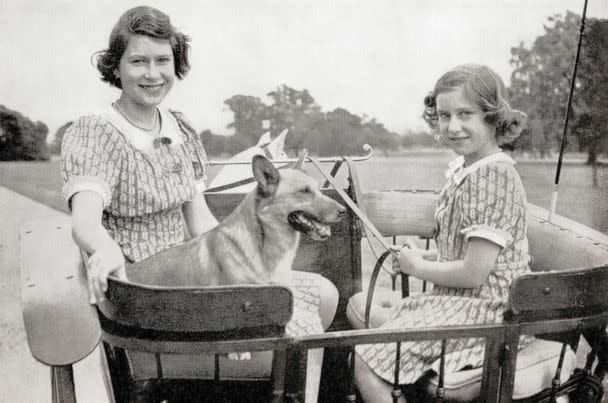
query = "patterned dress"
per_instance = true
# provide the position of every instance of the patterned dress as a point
(485, 200)
(144, 183)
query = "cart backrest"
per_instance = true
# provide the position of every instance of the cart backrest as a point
(556, 245)
(183, 312)
(560, 294)
(562, 243)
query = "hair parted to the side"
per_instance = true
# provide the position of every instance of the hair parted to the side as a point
(484, 88)
(147, 21)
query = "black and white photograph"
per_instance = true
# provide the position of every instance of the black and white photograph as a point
(304, 201)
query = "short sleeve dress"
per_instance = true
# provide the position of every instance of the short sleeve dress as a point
(145, 181)
(485, 200)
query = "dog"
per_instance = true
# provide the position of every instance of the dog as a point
(256, 243)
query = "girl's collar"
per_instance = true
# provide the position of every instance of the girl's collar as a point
(140, 139)
(458, 171)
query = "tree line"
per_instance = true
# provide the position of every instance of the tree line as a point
(20, 138)
(540, 83)
(337, 132)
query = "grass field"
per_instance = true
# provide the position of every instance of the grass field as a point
(583, 194)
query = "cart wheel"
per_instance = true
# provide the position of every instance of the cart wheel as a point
(589, 389)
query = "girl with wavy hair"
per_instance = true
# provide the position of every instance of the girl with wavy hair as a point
(134, 173)
(480, 235)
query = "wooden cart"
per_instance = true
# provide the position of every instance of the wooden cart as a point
(165, 330)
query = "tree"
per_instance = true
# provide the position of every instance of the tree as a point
(249, 115)
(540, 82)
(540, 85)
(378, 136)
(337, 132)
(592, 124)
(288, 106)
(223, 145)
(20, 138)
(420, 139)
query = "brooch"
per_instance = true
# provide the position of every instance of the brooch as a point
(162, 141)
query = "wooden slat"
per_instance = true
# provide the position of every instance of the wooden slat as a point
(381, 335)
(402, 212)
(62, 384)
(188, 309)
(279, 363)
(568, 293)
(356, 231)
(61, 325)
(196, 347)
(509, 362)
(490, 381)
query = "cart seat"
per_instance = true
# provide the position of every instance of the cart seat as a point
(535, 369)
(166, 330)
(536, 363)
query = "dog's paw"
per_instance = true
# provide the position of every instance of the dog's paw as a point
(246, 356)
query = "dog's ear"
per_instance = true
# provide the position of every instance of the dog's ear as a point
(266, 175)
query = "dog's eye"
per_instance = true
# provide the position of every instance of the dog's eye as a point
(306, 190)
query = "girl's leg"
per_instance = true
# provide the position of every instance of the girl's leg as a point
(328, 296)
(371, 387)
(328, 303)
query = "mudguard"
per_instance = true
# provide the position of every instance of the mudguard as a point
(61, 326)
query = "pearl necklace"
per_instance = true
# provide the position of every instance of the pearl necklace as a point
(153, 128)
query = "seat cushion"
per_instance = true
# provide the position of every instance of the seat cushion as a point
(536, 365)
(382, 304)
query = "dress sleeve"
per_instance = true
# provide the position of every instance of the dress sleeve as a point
(90, 159)
(195, 150)
(494, 204)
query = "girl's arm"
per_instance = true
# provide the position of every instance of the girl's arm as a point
(468, 273)
(197, 215)
(90, 235)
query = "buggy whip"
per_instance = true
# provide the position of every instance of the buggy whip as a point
(567, 116)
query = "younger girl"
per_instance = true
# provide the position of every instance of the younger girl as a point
(481, 235)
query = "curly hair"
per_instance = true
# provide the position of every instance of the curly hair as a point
(147, 21)
(484, 88)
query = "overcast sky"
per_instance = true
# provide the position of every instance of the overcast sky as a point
(372, 57)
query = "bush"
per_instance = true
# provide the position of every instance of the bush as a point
(20, 138)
